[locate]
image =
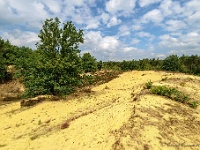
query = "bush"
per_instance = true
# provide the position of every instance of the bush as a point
(174, 94)
(149, 85)
(194, 104)
(170, 93)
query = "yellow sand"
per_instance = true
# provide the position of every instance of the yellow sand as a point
(116, 116)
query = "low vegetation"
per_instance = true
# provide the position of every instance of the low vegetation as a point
(171, 93)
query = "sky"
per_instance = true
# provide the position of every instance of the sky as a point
(114, 30)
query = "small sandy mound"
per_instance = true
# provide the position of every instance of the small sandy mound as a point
(117, 115)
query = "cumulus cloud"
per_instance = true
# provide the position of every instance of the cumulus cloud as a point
(105, 17)
(152, 16)
(21, 12)
(145, 35)
(144, 3)
(174, 25)
(95, 40)
(170, 8)
(113, 22)
(113, 28)
(21, 38)
(102, 47)
(135, 41)
(183, 43)
(124, 30)
(129, 49)
(191, 7)
(120, 7)
(136, 27)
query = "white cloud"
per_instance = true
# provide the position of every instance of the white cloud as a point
(102, 47)
(135, 41)
(129, 49)
(191, 7)
(171, 8)
(186, 43)
(144, 3)
(145, 34)
(174, 25)
(32, 12)
(113, 22)
(95, 40)
(109, 43)
(152, 16)
(194, 20)
(93, 23)
(21, 20)
(54, 6)
(124, 30)
(21, 38)
(22, 12)
(192, 38)
(136, 27)
(120, 7)
(105, 17)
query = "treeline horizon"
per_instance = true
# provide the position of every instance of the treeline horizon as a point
(56, 66)
(11, 54)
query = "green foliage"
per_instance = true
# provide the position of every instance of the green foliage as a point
(194, 104)
(144, 64)
(4, 46)
(190, 64)
(185, 64)
(3, 70)
(170, 93)
(55, 67)
(89, 63)
(174, 94)
(171, 63)
(99, 65)
(149, 85)
(88, 80)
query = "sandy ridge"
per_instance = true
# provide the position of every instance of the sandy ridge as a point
(111, 118)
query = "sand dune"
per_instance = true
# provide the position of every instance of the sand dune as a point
(117, 115)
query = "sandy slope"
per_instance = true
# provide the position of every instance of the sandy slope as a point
(116, 116)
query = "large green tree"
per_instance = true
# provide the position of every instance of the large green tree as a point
(54, 68)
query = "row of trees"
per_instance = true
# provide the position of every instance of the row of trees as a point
(55, 67)
(185, 64)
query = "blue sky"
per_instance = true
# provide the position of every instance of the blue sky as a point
(113, 29)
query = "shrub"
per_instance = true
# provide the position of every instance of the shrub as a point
(174, 94)
(194, 104)
(149, 85)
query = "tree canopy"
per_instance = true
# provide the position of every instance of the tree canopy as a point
(55, 66)
(89, 63)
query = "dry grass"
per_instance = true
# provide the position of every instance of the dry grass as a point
(10, 91)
